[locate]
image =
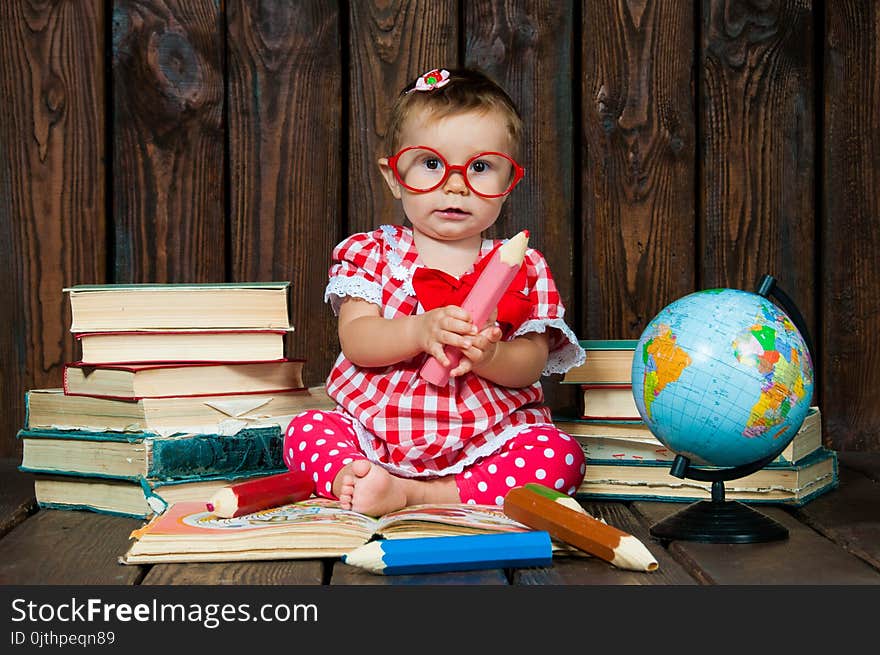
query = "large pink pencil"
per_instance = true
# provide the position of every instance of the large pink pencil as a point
(482, 299)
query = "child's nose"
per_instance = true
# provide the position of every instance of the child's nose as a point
(455, 183)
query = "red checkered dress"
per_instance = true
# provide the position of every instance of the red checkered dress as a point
(409, 426)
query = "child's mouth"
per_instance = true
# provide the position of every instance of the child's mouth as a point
(452, 212)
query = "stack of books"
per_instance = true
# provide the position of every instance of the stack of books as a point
(179, 390)
(605, 381)
(626, 461)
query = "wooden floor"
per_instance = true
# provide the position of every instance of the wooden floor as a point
(834, 540)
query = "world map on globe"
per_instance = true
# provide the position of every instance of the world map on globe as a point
(723, 377)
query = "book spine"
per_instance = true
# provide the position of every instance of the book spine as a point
(249, 450)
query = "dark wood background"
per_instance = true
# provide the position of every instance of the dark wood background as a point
(671, 146)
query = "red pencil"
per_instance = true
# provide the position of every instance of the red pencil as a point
(260, 493)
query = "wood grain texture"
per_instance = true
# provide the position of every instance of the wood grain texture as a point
(867, 464)
(304, 572)
(168, 142)
(527, 49)
(17, 500)
(757, 202)
(850, 235)
(638, 171)
(391, 43)
(285, 141)
(849, 516)
(594, 571)
(68, 548)
(52, 186)
(804, 558)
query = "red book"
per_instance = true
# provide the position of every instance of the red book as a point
(609, 401)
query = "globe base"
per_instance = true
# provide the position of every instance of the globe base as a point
(719, 522)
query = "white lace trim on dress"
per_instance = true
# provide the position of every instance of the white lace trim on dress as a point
(563, 358)
(355, 287)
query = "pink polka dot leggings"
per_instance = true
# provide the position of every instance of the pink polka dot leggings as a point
(321, 443)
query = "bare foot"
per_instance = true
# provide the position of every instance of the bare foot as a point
(376, 491)
(370, 489)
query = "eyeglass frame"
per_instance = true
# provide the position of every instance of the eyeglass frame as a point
(519, 171)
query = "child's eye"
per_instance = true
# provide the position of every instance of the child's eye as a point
(480, 166)
(433, 164)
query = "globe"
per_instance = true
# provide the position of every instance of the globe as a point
(722, 377)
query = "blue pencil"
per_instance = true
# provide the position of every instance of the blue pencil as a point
(463, 553)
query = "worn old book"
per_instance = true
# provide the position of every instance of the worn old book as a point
(316, 527)
(248, 305)
(608, 361)
(785, 484)
(136, 381)
(633, 440)
(608, 401)
(131, 456)
(220, 414)
(181, 346)
(137, 498)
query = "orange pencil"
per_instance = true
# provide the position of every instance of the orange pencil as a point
(542, 508)
(260, 493)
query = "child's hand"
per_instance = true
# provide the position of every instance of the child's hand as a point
(446, 326)
(483, 349)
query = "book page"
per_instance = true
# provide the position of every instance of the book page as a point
(446, 519)
(316, 514)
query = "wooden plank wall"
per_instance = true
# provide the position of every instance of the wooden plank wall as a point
(672, 146)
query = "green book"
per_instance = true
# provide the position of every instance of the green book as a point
(139, 455)
(625, 440)
(119, 307)
(782, 484)
(609, 344)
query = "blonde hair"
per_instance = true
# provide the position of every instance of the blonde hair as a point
(467, 90)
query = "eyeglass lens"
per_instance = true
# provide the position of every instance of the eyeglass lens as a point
(424, 170)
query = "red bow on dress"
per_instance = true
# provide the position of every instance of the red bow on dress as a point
(437, 289)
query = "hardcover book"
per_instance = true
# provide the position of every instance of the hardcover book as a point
(136, 381)
(222, 414)
(181, 346)
(136, 498)
(316, 527)
(785, 484)
(633, 440)
(608, 401)
(608, 361)
(131, 456)
(107, 307)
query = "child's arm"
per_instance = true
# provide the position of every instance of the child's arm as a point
(369, 340)
(515, 363)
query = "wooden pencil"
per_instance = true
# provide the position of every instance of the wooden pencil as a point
(460, 553)
(260, 493)
(542, 508)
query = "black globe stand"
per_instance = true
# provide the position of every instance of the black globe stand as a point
(718, 520)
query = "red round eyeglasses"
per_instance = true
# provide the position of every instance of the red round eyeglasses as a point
(421, 169)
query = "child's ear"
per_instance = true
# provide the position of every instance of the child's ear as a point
(388, 174)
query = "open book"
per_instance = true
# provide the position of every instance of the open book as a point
(316, 527)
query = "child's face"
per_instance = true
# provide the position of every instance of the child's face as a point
(452, 211)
